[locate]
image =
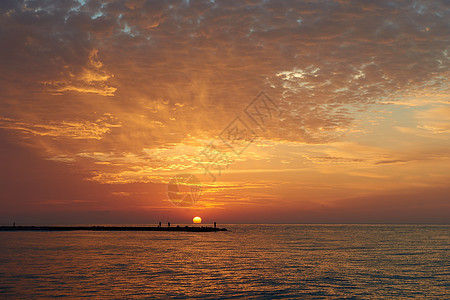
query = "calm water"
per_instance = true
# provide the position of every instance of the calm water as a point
(250, 261)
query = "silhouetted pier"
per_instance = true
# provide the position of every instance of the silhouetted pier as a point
(111, 228)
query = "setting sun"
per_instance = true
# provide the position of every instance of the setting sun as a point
(197, 220)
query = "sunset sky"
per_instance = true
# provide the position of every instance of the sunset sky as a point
(102, 103)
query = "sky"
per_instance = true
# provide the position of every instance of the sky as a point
(257, 111)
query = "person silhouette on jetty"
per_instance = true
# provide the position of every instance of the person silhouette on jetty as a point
(168, 224)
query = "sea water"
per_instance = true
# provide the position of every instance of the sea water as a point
(248, 261)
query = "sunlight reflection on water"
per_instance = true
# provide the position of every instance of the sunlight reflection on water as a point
(250, 261)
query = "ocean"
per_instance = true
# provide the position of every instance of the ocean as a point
(248, 261)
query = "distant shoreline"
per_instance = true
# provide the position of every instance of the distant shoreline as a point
(110, 228)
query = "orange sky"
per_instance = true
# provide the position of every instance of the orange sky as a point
(102, 103)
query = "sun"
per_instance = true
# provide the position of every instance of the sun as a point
(197, 220)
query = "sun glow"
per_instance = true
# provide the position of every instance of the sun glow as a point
(197, 220)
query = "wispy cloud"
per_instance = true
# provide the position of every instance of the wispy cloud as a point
(71, 129)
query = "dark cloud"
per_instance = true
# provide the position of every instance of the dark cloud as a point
(314, 57)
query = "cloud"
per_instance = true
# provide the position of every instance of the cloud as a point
(76, 130)
(436, 119)
(129, 91)
(316, 57)
(91, 79)
(392, 161)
